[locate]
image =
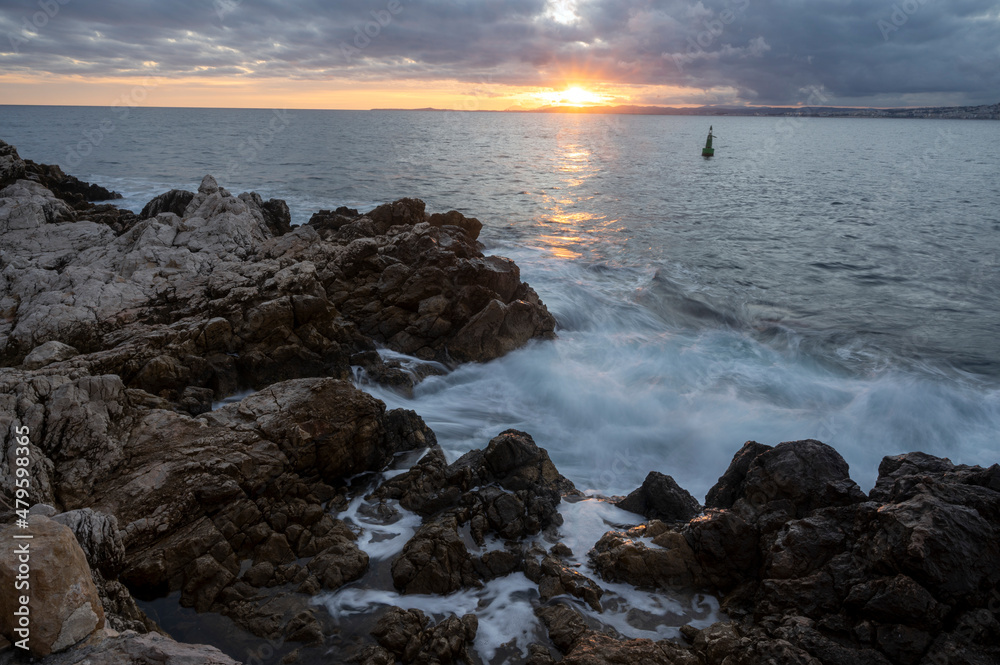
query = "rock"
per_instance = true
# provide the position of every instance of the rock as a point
(511, 488)
(470, 225)
(130, 648)
(98, 536)
(731, 484)
(276, 214)
(786, 481)
(64, 604)
(11, 164)
(435, 560)
(661, 498)
(66, 187)
(48, 353)
(570, 634)
(43, 509)
(339, 563)
(565, 626)
(554, 579)
(175, 201)
(407, 635)
(326, 425)
(499, 329)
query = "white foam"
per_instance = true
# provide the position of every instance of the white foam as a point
(502, 606)
(380, 539)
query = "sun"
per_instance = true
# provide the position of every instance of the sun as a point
(572, 96)
(578, 96)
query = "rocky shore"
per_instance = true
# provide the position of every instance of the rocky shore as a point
(122, 333)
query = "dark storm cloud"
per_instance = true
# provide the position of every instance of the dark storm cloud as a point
(770, 53)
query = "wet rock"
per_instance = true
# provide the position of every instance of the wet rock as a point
(408, 635)
(339, 563)
(732, 484)
(788, 481)
(565, 626)
(64, 605)
(661, 498)
(470, 225)
(510, 489)
(435, 560)
(570, 634)
(554, 579)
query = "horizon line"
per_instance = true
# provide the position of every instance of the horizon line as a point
(603, 108)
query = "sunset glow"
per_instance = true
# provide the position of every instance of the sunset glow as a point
(573, 96)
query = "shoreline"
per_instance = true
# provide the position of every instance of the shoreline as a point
(122, 331)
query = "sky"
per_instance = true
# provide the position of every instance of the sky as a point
(499, 54)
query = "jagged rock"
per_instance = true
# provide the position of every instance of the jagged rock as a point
(66, 187)
(130, 648)
(434, 560)
(407, 635)
(276, 214)
(731, 485)
(661, 498)
(510, 488)
(48, 353)
(554, 579)
(570, 634)
(786, 482)
(470, 225)
(64, 606)
(293, 302)
(11, 164)
(339, 563)
(98, 536)
(717, 551)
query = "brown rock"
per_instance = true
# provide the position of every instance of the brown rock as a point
(64, 607)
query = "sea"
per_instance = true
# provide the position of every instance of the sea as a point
(827, 278)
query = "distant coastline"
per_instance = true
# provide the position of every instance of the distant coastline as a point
(982, 112)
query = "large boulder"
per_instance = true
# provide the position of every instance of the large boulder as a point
(661, 498)
(785, 482)
(62, 605)
(131, 648)
(410, 637)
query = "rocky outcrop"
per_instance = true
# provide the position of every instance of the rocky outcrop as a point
(408, 636)
(661, 498)
(60, 606)
(245, 483)
(583, 646)
(815, 571)
(131, 648)
(205, 291)
(175, 201)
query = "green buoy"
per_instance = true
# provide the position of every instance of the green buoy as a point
(708, 150)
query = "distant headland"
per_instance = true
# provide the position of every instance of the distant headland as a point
(982, 112)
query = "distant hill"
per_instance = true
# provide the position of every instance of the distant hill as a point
(984, 112)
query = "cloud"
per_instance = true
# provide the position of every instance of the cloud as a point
(765, 52)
